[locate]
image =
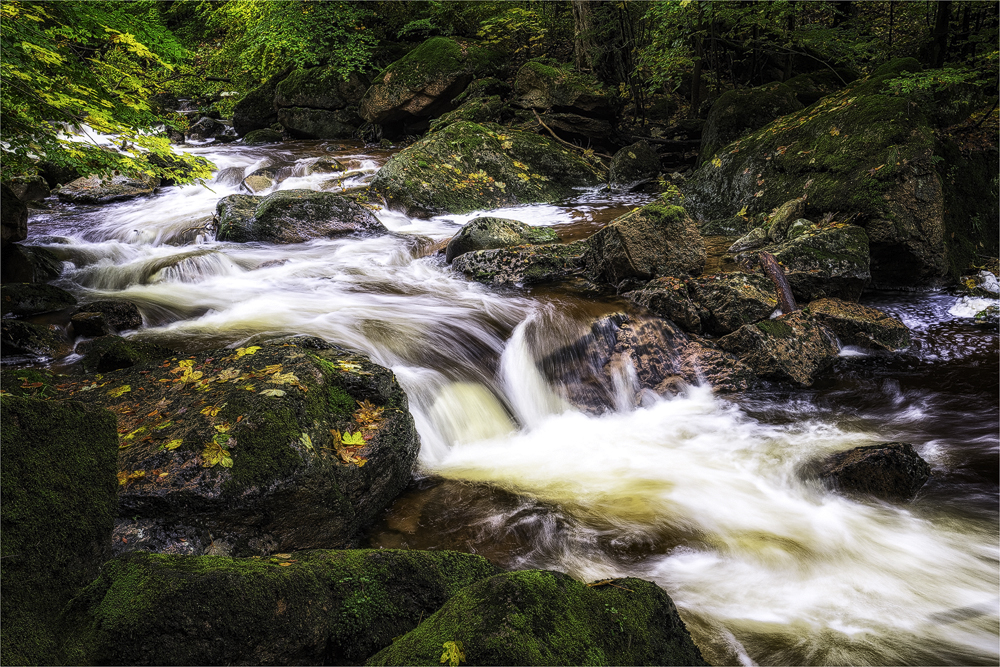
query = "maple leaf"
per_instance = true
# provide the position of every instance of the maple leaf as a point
(115, 393)
(367, 414)
(275, 393)
(353, 439)
(173, 444)
(228, 374)
(215, 454)
(212, 410)
(285, 378)
(453, 654)
(244, 351)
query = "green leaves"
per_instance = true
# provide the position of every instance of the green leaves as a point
(353, 439)
(453, 655)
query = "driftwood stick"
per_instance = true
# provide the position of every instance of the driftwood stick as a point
(774, 271)
(563, 141)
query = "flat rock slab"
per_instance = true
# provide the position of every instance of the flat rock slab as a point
(891, 471)
(522, 265)
(292, 216)
(489, 233)
(95, 190)
(859, 325)
(21, 299)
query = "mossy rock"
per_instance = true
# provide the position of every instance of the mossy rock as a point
(319, 88)
(30, 383)
(489, 233)
(292, 216)
(668, 297)
(97, 190)
(174, 162)
(722, 371)
(522, 265)
(793, 347)
(112, 353)
(468, 167)
(727, 301)
(561, 89)
(423, 83)
(57, 508)
(652, 241)
(475, 110)
(32, 340)
(304, 123)
(312, 607)
(239, 446)
(811, 88)
(256, 110)
(634, 164)
(22, 299)
(832, 260)
(262, 136)
(740, 111)
(861, 325)
(863, 151)
(545, 618)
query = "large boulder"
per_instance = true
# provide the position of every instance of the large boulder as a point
(727, 301)
(792, 347)
(562, 90)
(633, 164)
(723, 372)
(108, 353)
(482, 102)
(740, 111)
(825, 261)
(13, 217)
(262, 136)
(205, 128)
(32, 340)
(120, 315)
(890, 471)
(319, 88)
(810, 88)
(21, 299)
(57, 509)
(861, 325)
(256, 110)
(313, 607)
(467, 167)
(523, 265)
(254, 450)
(538, 617)
(292, 216)
(28, 264)
(97, 190)
(424, 82)
(668, 297)
(648, 242)
(319, 123)
(867, 152)
(489, 233)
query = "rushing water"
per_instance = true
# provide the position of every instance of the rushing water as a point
(707, 496)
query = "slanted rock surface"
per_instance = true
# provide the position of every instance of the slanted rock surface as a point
(32, 340)
(791, 347)
(828, 261)
(21, 299)
(721, 370)
(538, 617)
(523, 265)
(488, 233)
(311, 607)
(740, 111)
(859, 325)
(111, 353)
(467, 167)
(891, 471)
(727, 301)
(57, 508)
(668, 297)
(120, 315)
(254, 450)
(648, 242)
(95, 190)
(292, 216)
(13, 217)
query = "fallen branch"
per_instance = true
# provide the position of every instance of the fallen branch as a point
(563, 141)
(774, 271)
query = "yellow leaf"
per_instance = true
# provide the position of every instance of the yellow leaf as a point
(353, 439)
(306, 441)
(453, 654)
(273, 392)
(244, 351)
(717, 162)
(124, 389)
(186, 363)
(834, 131)
(173, 444)
(212, 410)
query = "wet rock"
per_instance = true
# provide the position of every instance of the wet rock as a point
(111, 353)
(522, 265)
(830, 261)
(892, 471)
(28, 264)
(55, 175)
(205, 128)
(174, 163)
(13, 217)
(95, 190)
(652, 241)
(30, 189)
(320, 123)
(792, 347)
(239, 447)
(727, 301)
(668, 297)
(477, 110)
(755, 238)
(423, 83)
(256, 110)
(634, 164)
(546, 88)
(29, 382)
(89, 324)
(120, 315)
(58, 507)
(323, 166)
(490, 233)
(738, 112)
(512, 618)
(861, 325)
(724, 372)
(314, 607)
(32, 340)
(782, 218)
(23, 299)
(261, 137)
(319, 88)
(467, 167)
(233, 214)
(983, 284)
(621, 357)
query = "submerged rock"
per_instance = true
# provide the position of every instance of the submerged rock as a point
(21, 299)
(57, 510)
(255, 450)
(792, 347)
(538, 617)
(891, 471)
(861, 325)
(95, 190)
(488, 233)
(522, 265)
(312, 607)
(648, 242)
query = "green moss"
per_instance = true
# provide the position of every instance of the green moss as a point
(20, 381)
(775, 328)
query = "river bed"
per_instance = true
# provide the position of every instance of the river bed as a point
(705, 495)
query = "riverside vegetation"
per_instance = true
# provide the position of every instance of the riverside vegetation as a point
(285, 331)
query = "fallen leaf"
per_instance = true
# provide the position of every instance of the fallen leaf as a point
(271, 392)
(244, 351)
(115, 393)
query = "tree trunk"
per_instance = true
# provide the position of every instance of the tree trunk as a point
(774, 271)
(940, 34)
(699, 53)
(583, 36)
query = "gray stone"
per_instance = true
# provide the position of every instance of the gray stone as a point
(891, 471)
(488, 233)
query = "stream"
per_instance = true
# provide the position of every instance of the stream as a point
(703, 494)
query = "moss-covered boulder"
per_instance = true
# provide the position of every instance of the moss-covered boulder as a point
(668, 297)
(545, 618)
(304, 123)
(488, 233)
(262, 136)
(561, 89)
(468, 167)
(32, 340)
(523, 265)
(633, 164)
(255, 450)
(423, 83)
(478, 110)
(826, 261)
(810, 88)
(319, 88)
(312, 607)
(21, 299)
(727, 301)
(292, 216)
(88, 324)
(738, 112)
(890, 471)
(97, 190)
(791, 347)
(256, 110)
(864, 151)
(648, 242)
(57, 508)
(108, 353)
(859, 325)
